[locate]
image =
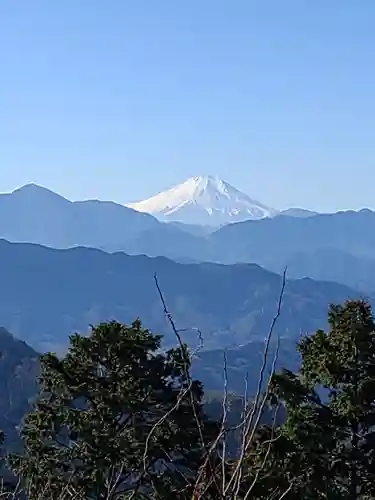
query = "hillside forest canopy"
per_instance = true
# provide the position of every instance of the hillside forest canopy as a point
(117, 417)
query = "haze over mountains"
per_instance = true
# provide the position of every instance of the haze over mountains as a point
(336, 247)
(320, 246)
(47, 293)
(210, 275)
(38, 215)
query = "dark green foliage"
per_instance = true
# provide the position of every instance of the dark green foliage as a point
(111, 398)
(326, 447)
(19, 368)
(98, 404)
(213, 405)
(7, 484)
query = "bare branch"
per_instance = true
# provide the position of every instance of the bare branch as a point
(184, 392)
(249, 432)
(270, 443)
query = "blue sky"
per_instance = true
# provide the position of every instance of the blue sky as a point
(120, 99)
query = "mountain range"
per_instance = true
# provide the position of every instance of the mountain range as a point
(47, 294)
(327, 246)
(66, 265)
(337, 247)
(35, 214)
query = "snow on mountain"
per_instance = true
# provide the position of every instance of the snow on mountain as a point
(204, 201)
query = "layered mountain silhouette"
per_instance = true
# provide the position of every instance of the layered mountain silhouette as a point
(37, 215)
(47, 294)
(34, 214)
(336, 247)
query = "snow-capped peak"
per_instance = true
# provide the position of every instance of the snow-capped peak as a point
(204, 200)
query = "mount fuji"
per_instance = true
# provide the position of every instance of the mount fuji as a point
(204, 201)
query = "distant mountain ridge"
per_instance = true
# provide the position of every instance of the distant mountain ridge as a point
(47, 294)
(204, 200)
(338, 247)
(348, 231)
(35, 214)
(298, 212)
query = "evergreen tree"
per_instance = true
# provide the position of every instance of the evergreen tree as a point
(7, 486)
(115, 418)
(326, 447)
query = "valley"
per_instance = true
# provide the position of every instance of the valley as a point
(187, 264)
(48, 294)
(67, 265)
(336, 247)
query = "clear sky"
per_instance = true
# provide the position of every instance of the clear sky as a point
(119, 99)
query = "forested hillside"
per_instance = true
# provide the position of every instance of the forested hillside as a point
(117, 416)
(49, 293)
(19, 369)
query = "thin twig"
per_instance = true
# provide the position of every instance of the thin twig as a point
(245, 442)
(224, 419)
(249, 439)
(270, 442)
(188, 379)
